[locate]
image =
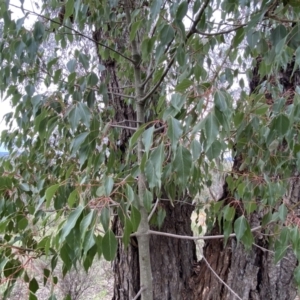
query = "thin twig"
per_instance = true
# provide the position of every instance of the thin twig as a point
(195, 238)
(220, 279)
(124, 127)
(153, 210)
(198, 19)
(272, 252)
(138, 294)
(220, 32)
(159, 82)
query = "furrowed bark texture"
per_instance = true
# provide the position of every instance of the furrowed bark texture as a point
(251, 274)
(172, 259)
(125, 267)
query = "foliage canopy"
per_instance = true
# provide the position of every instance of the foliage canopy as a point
(175, 67)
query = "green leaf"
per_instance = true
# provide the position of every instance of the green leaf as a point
(85, 114)
(108, 185)
(127, 232)
(214, 150)
(161, 214)
(280, 251)
(70, 223)
(136, 135)
(247, 238)
(46, 275)
(166, 34)
(39, 31)
(69, 8)
(211, 128)
(239, 37)
(281, 124)
(33, 285)
(183, 85)
(78, 141)
(71, 65)
(84, 59)
(240, 227)
(85, 223)
(180, 56)
(174, 132)
(134, 28)
(147, 138)
(72, 198)
(147, 47)
(50, 193)
(153, 169)
(105, 218)
(93, 79)
(229, 213)
(109, 246)
(148, 199)
(282, 212)
(196, 149)
(220, 100)
(182, 165)
(278, 34)
(297, 275)
(129, 193)
(182, 10)
(98, 240)
(135, 218)
(155, 8)
(64, 255)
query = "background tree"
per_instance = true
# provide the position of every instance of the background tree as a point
(115, 141)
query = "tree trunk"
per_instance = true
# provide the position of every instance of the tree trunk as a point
(251, 274)
(172, 259)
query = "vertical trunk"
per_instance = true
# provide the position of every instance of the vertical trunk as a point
(171, 259)
(252, 274)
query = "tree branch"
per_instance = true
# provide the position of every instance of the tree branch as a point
(153, 210)
(125, 127)
(220, 279)
(138, 294)
(220, 32)
(198, 19)
(152, 91)
(195, 238)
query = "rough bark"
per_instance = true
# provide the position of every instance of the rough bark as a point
(172, 259)
(252, 274)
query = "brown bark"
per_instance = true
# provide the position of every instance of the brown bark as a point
(172, 259)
